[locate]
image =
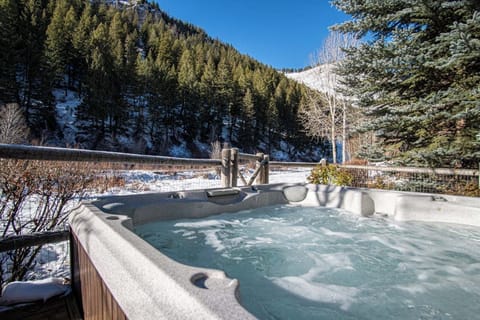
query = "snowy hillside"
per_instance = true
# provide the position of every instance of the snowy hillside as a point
(320, 78)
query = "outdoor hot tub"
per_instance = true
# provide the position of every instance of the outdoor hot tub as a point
(310, 250)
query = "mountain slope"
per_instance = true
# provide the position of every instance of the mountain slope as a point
(134, 79)
(316, 78)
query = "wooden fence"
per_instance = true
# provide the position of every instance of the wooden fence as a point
(430, 180)
(229, 163)
(12, 151)
(11, 243)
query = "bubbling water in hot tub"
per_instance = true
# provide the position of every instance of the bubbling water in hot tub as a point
(303, 263)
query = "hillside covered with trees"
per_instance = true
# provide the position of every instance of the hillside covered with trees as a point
(144, 81)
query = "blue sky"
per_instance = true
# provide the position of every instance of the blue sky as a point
(282, 33)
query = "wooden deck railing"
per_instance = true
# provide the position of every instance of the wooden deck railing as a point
(229, 162)
(12, 151)
(11, 243)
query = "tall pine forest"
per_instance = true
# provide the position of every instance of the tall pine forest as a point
(144, 82)
(417, 78)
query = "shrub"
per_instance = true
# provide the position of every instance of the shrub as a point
(330, 174)
(381, 182)
(36, 196)
(357, 162)
(463, 188)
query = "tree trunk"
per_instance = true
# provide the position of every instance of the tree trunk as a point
(344, 132)
(334, 144)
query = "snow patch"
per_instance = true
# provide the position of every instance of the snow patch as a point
(280, 155)
(30, 291)
(316, 78)
(66, 109)
(180, 151)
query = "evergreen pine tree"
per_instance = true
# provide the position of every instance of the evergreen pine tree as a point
(417, 78)
(9, 53)
(59, 42)
(225, 95)
(209, 101)
(35, 83)
(246, 132)
(81, 44)
(188, 83)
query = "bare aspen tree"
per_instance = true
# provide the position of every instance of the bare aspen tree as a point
(13, 128)
(215, 150)
(328, 111)
(315, 117)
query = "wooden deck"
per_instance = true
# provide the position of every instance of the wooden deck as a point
(58, 308)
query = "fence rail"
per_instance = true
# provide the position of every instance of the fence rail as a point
(12, 151)
(293, 164)
(34, 239)
(441, 171)
(445, 171)
(248, 157)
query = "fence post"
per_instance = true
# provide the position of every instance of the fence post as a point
(266, 169)
(258, 166)
(226, 168)
(323, 162)
(234, 168)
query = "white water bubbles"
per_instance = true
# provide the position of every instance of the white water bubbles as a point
(305, 263)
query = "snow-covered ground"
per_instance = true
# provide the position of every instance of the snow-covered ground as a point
(318, 78)
(144, 180)
(66, 112)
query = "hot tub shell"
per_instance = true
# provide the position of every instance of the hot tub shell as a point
(116, 274)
